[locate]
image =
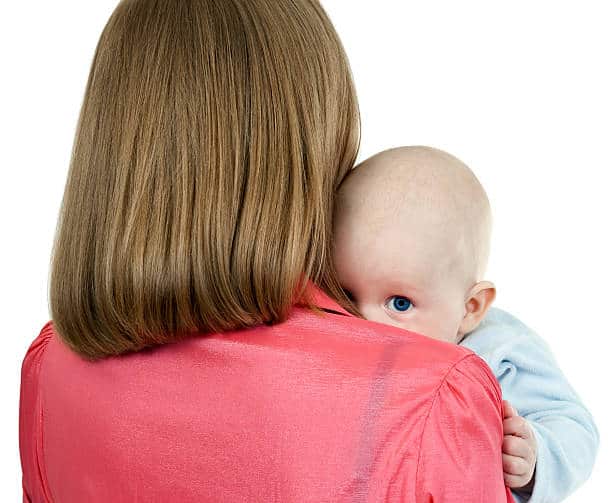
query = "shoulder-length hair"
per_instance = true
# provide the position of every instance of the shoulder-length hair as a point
(211, 139)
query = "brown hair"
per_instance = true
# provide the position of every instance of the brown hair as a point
(211, 139)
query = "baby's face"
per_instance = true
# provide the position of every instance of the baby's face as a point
(398, 275)
(411, 233)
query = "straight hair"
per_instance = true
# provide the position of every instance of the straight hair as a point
(212, 137)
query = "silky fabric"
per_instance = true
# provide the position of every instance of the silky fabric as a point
(325, 407)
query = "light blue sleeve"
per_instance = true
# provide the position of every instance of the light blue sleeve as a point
(531, 380)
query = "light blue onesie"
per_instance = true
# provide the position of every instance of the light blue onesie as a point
(533, 383)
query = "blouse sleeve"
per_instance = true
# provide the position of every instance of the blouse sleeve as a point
(460, 456)
(30, 417)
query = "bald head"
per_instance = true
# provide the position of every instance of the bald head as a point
(423, 199)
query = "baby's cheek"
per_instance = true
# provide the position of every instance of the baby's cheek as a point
(420, 323)
(445, 325)
(402, 323)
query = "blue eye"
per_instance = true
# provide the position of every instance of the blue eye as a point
(399, 304)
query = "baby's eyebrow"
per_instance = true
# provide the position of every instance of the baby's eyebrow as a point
(406, 287)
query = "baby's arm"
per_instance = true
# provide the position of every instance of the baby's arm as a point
(566, 436)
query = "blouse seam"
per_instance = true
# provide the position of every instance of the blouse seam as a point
(433, 401)
(40, 462)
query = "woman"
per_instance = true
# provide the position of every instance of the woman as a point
(201, 348)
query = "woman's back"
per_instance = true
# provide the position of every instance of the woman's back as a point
(319, 408)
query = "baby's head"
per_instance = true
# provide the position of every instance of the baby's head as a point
(412, 229)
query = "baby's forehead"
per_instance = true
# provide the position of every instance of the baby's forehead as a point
(393, 263)
(414, 183)
(420, 200)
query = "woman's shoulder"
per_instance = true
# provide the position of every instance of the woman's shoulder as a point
(406, 358)
(406, 352)
(351, 340)
(36, 350)
(347, 346)
(30, 412)
(37, 358)
(416, 349)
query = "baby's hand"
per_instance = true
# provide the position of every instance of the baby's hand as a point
(519, 450)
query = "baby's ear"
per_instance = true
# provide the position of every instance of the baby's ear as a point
(479, 299)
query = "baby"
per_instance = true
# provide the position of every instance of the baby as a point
(412, 229)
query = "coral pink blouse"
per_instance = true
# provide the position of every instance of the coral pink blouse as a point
(321, 408)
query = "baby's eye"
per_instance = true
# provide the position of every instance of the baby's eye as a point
(399, 303)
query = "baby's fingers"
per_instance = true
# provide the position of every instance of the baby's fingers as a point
(516, 471)
(514, 465)
(517, 446)
(518, 426)
(509, 411)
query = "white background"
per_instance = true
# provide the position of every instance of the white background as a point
(521, 91)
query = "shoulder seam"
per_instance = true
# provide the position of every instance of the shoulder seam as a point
(433, 401)
(46, 332)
